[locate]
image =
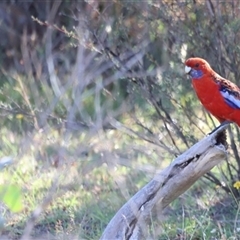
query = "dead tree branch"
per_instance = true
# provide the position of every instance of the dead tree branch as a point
(131, 221)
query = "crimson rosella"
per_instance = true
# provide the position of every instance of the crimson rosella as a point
(217, 94)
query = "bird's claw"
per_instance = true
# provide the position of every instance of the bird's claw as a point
(222, 124)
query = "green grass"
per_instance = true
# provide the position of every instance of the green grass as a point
(80, 192)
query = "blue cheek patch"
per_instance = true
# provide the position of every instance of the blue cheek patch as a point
(195, 74)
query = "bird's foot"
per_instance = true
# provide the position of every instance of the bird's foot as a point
(222, 124)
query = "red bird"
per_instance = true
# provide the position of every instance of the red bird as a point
(217, 94)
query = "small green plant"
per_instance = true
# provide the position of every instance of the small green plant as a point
(11, 196)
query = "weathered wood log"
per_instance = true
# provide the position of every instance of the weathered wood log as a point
(131, 221)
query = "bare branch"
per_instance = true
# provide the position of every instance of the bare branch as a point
(131, 221)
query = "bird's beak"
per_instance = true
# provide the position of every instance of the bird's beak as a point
(187, 69)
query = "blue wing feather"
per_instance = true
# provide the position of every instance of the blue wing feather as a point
(230, 93)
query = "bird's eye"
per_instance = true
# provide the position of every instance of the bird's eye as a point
(197, 65)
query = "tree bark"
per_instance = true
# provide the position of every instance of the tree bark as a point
(131, 221)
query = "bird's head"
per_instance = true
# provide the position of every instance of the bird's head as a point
(197, 67)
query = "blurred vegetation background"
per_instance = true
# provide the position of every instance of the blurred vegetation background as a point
(94, 101)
